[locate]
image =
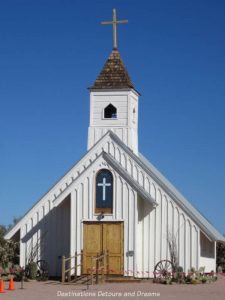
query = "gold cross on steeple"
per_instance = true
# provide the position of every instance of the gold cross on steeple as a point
(114, 22)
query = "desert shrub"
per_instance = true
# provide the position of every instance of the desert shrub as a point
(204, 280)
(194, 281)
(31, 270)
(178, 274)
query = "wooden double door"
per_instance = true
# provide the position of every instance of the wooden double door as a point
(102, 236)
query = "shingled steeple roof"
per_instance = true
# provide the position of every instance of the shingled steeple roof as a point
(114, 74)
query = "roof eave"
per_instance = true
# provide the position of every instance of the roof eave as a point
(107, 89)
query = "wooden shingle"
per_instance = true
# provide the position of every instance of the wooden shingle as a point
(114, 74)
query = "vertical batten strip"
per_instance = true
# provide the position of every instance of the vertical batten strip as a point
(131, 228)
(76, 220)
(115, 199)
(125, 217)
(199, 248)
(188, 243)
(149, 246)
(22, 246)
(72, 224)
(182, 239)
(176, 230)
(135, 216)
(91, 197)
(158, 237)
(119, 198)
(79, 216)
(128, 228)
(81, 200)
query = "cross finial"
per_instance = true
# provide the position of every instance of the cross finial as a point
(114, 23)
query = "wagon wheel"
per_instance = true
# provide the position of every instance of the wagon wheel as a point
(163, 269)
(42, 266)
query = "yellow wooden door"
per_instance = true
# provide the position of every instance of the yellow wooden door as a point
(100, 237)
(92, 243)
(113, 243)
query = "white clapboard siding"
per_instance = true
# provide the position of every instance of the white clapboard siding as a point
(124, 125)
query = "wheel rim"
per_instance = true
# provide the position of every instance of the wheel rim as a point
(163, 269)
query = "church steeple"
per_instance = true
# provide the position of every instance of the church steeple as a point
(114, 74)
(114, 101)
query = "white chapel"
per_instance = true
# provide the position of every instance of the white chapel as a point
(114, 199)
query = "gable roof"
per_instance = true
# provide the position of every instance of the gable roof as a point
(114, 74)
(182, 202)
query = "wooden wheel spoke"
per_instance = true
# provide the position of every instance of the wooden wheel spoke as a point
(163, 268)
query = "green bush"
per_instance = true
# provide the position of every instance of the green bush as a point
(9, 250)
(179, 269)
(178, 273)
(204, 280)
(31, 270)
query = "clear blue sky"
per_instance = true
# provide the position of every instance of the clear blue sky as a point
(51, 51)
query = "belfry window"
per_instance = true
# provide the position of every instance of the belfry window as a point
(110, 112)
(104, 192)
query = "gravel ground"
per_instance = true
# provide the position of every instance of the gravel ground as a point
(144, 290)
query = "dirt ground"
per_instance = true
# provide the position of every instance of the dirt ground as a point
(144, 290)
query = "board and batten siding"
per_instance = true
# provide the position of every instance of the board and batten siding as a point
(83, 203)
(146, 228)
(61, 227)
(46, 236)
(155, 226)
